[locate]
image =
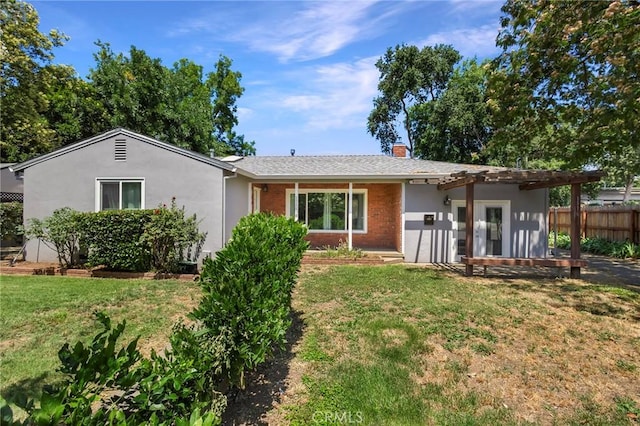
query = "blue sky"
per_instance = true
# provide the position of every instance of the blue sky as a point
(308, 68)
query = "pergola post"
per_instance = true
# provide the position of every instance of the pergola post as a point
(469, 227)
(575, 228)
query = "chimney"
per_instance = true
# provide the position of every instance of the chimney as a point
(399, 150)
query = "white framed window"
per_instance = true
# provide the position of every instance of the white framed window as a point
(325, 210)
(119, 194)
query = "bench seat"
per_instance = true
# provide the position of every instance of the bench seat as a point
(524, 261)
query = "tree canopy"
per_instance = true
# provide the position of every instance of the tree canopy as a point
(572, 68)
(46, 106)
(408, 76)
(441, 106)
(456, 126)
(25, 76)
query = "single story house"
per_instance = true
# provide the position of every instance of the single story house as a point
(422, 209)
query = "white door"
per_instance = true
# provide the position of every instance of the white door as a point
(491, 228)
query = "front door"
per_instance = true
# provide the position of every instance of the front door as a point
(491, 228)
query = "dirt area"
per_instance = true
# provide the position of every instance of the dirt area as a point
(545, 369)
(276, 383)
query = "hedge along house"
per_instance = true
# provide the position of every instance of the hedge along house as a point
(121, 169)
(421, 209)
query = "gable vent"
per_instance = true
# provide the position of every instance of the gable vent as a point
(121, 150)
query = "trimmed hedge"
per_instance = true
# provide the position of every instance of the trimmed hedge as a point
(247, 293)
(113, 239)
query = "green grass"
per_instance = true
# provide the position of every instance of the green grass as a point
(38, 314)
(396, 345)
(382, 345)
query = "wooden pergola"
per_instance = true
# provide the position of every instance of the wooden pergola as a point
(527, 180)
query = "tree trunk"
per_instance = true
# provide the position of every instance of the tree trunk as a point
(627, 190)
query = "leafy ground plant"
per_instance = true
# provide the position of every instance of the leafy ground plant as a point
(38, 314)
(617, 249)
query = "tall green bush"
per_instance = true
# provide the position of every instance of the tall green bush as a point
(247, 293)
(172, 238)
(113, 239)
(61, 232)
(11, 228)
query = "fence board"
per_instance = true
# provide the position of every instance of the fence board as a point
(613, 223)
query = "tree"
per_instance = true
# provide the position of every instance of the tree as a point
(188, 113)
(408, 76)
(177, 105)
(74, 111)
(25, 74)
(225, 91)
(456, 126)
(572, 67)
(622, 169)
(132, 90)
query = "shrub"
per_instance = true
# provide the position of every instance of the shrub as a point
(61, 232)
(563, 241)
(113, 239)
(247, 293)
(140, 240)
(172, 238)
(618, 249)
(11, 228)
(104, 385)
(342, 250)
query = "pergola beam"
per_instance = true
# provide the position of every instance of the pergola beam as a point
(461, 181)
(526, 179)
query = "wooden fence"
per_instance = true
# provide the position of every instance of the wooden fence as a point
(613, 223)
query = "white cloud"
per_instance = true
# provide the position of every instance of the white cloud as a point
(295, 31)
(341, 95)
(480, 42)
(244, 113)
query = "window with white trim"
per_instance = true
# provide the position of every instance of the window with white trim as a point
(326, 210)
(119, 194)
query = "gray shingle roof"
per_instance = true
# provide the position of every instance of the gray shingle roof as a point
(354, 166)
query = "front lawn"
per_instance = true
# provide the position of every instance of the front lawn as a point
(379, 345)
(38, 314)
(403, 345)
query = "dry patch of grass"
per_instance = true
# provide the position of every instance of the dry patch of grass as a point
(400, 345)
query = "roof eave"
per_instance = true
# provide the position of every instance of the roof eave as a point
(99, 138)
(399, 177)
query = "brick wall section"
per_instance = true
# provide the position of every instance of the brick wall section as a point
(383, 214)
